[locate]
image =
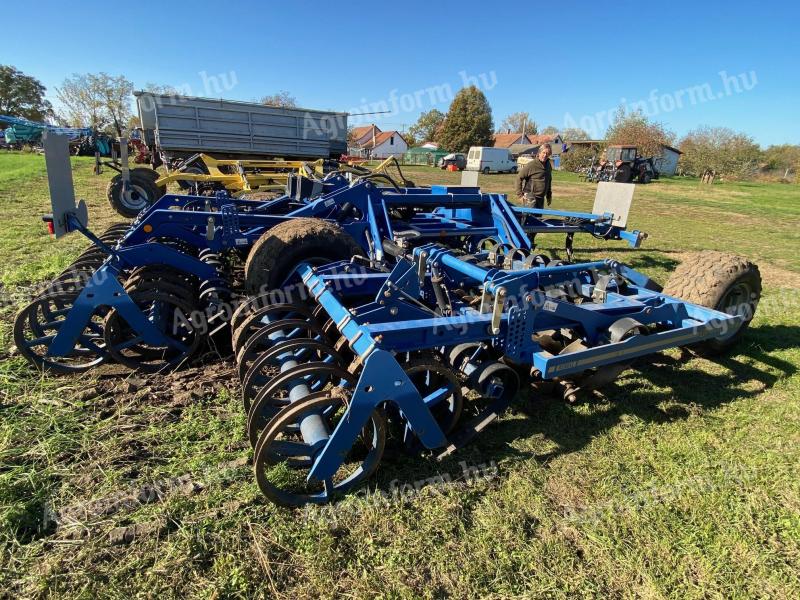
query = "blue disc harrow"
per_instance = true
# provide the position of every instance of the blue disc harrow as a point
(403, 354)
(152, 296)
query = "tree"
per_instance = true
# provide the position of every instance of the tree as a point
(161, 89)
(99, 101)
(636, 129)
(427, 125)
(281, 98)
(22, 95)
(578, 156)
(784, 158)
(517, 123)
(468, 122)
(710, 152)
(410, 138)
(550, 130)
(573, 133)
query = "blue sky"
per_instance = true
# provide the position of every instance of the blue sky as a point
(564, 63)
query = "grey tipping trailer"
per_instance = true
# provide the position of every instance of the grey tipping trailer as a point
(177, 127)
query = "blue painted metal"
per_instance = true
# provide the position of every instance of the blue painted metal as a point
(382, 380)
(402, 318)
(362, 209)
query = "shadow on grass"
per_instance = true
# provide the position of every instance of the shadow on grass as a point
(684, 387)
(651, 258)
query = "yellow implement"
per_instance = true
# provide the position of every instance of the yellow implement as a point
(244, 176)
(241, 176)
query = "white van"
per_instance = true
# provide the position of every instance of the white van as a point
(490, 160)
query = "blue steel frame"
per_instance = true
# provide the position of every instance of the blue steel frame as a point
(362, 209)
(398, 321)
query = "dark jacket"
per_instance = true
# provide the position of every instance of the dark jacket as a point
(535, 179)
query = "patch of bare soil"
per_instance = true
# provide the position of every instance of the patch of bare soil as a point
(167, 390)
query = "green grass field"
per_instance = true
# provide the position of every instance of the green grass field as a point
(682, 480)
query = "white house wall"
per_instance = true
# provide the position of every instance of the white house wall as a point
(385, 150)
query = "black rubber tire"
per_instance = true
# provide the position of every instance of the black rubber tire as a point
(707, 279)
(145, 172)
(150, 174)
(142, 183)
(279, 250)
(186, 184)
(645, 177)
(624, 173)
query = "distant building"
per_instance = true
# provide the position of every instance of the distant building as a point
(360, 135)
(506, 140)
(518, 150)
(596, 145)
(554, 139)
(370, 142)
(667, 163)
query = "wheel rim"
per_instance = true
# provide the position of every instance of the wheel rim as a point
(277, 393)
(136, 199)
(737, 301)
(267, 366)
(163, 310)
(283, 460)
(271, 335)
(431, 378)
(37, 325)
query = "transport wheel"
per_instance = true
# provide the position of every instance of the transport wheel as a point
(172, 315)
(279, 251)
(486, 170)
(38, 323)
(283, 460)
(145, 172)
(152, 175)
(143, 192)
(722, 281)
(496, 380)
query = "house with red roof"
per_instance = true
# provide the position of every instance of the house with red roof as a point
(370, 142)
(506, 140)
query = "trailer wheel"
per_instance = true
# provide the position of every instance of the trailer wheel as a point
(722, 281)
(142, 194)
(279, 251)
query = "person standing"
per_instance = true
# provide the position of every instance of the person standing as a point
(534, 182)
